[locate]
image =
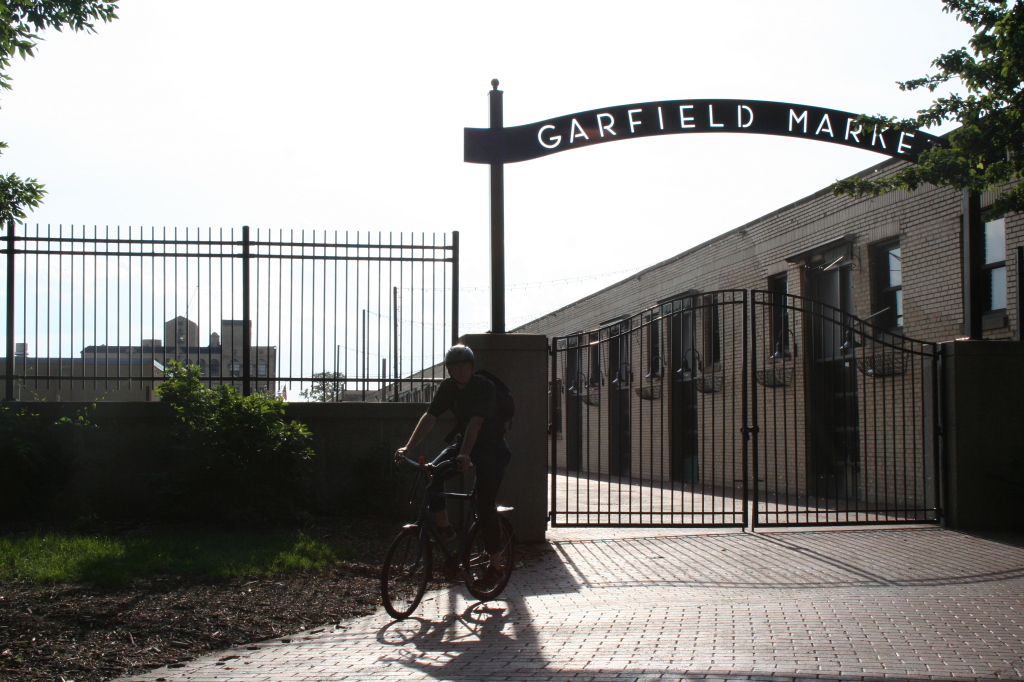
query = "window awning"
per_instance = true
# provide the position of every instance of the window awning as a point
(839, 242)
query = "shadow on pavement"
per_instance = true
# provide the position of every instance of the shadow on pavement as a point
(478, 642)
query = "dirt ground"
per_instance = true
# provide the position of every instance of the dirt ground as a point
(87, 634)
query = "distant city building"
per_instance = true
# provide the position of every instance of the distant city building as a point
(131, 373)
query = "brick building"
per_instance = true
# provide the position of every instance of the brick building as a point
(834, 306)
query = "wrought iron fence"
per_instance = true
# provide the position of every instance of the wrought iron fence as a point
(742, 407)
(845, 417)
(648, 420)
(97, 313)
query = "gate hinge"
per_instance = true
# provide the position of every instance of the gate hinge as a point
(747, 430)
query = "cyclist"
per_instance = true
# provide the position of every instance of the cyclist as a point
(478, 437)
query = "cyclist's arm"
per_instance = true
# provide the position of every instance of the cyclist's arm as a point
(472, 431)
(423, 427)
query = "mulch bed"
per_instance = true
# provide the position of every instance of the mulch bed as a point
(85, 633)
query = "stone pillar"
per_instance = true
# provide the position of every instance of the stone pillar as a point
(983, 434)
(521, 361)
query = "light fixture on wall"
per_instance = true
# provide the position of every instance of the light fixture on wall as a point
(623, 378)
(851, 343)
(782, 350)
(685, 371)
(578, 384)
(655, 372)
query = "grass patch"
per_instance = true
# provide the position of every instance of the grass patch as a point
(119, 560)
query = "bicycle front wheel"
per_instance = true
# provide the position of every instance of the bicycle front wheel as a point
(403, 580)
(476, 559)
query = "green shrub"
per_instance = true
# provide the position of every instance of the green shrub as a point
(238, 459)
(36, 460)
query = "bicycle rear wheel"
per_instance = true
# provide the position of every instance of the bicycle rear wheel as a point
(403, 579)
(476, 559)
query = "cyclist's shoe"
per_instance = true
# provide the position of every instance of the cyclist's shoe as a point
(447, 533)
(490, 579)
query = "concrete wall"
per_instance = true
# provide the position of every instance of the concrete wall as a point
(984, 439)
(119, 466)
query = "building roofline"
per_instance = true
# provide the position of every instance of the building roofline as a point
(870, 170)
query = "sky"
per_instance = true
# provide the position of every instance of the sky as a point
(341, 116)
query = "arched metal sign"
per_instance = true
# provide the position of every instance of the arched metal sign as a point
(672, 117)
(497, 145)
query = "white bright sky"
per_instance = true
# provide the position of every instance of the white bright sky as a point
(349, 116)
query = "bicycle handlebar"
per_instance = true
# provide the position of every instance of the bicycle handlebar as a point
(429, 467)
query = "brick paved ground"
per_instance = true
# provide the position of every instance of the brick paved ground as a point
(650, 604)
(580, 498)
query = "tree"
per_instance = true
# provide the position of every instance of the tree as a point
(987, 150)
(328, 387)
(19, 22)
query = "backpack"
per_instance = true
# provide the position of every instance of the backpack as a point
(504, 404)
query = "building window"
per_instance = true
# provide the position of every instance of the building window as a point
(995, 265)
(778, 288)
(653, 348)
(595, 361)
(887, 296)
(235, 368)
(712, 331)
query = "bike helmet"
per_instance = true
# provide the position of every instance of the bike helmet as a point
(458, 353)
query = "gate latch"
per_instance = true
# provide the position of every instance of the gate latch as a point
(747, 430)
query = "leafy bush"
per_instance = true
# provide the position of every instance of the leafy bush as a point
(239, 460)
(36, 459)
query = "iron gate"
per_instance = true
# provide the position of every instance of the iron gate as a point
(743, 408)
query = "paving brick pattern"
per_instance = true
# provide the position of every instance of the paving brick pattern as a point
(658, 604)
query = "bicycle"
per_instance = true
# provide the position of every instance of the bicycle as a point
(409, 562)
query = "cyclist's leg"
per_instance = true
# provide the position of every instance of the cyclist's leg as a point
(490, 471)
(438, 503)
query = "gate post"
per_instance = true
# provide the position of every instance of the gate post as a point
(520, 360)
(984, 481)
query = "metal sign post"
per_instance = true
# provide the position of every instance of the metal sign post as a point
(497, 125)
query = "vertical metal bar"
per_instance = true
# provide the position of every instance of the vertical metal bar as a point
(423, 307)
(395, 354)
(401, 282)
(751, 353)
(355, 335)
(35, 288)
(246, 320)
(338, 393)
(455, 287)
(366, 338)
(9, 368)
(497, 217)
(553, 433)
(328, 386)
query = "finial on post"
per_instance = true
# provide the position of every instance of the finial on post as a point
(494, 83)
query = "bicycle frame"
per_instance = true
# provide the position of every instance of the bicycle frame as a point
(425, 523)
